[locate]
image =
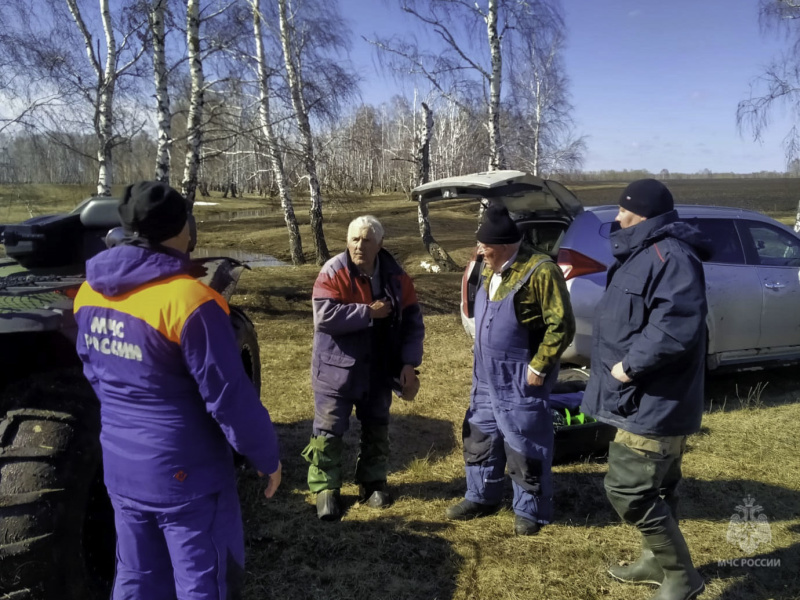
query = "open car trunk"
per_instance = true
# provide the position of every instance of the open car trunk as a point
(542, 208)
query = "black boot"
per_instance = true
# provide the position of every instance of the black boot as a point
(466, 510)
(644, 569)
(681, 579)
(524, 526)
(329, 505)
(376, 494)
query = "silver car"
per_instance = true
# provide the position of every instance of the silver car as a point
(752, 276)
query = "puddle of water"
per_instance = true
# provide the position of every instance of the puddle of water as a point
(252, 259)
(232, 215)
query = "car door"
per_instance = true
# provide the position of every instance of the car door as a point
(776, 252)
(733, 293)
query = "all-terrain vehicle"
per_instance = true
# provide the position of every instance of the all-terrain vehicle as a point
(57, 538)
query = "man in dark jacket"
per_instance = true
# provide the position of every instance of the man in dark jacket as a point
(159, 349)
(648, 365)
(523, 323)
(368, 335)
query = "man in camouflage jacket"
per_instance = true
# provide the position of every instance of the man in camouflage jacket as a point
(523, 323)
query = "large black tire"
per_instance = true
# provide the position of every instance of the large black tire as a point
(248, 345)
(57, 537)
(578, 441)
(57, 534)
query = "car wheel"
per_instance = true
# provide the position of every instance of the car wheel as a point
(248, 345)
(57, 538)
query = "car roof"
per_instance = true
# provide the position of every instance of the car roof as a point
(608, 212)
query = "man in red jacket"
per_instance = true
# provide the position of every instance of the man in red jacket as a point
(368, 336)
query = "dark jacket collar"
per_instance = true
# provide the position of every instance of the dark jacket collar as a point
(625, 241)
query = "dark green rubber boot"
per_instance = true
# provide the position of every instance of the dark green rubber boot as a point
(644, 569)
(681, 579)
(324, 455)
(372, 464)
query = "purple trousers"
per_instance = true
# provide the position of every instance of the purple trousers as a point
(182, 551)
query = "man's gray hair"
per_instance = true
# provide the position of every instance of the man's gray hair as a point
(367, 222)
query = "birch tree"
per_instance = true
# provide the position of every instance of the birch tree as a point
(779, 84)
(540, 109)
(156, 17)
(295, 242)
(44, 48)
(194, 122)
(439, 255)
(291, 56)
(467, 59)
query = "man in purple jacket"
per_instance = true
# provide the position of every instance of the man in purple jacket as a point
(160, 352)
(368, 334)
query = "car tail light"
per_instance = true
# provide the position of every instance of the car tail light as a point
(575, 264)
(469, 283)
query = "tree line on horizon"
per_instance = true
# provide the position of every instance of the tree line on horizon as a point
(258, 96)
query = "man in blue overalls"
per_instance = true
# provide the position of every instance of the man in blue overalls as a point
(523, 323)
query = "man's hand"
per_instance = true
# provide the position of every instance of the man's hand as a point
(409, 382)
(380, 309)
(534, 379)
(618, 373)
(273, 481)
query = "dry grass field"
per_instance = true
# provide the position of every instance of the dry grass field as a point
(748, 447)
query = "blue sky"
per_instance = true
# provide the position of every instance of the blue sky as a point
(655, 83)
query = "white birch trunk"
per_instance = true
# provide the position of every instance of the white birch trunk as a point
(106, 82)
(194, 123)
(163, 114)
(301, 114)
(496, 158)
(797, 219)
(537, 128)
(439, 254)
(295, 241)
(424, 149)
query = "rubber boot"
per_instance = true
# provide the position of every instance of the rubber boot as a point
(681, 579)
(523, 526)
(324, 455)
(372, 464)
(376, 494)
(644, 569)
(466, 510)
(329, 506)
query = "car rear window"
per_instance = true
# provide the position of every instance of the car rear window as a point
(726, 247)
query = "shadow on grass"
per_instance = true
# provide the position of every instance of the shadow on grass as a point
(414, 440)
(763, 576)
(387, 556)
(382, 554)
(580, 500)
(369, 554)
